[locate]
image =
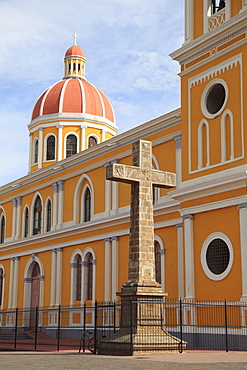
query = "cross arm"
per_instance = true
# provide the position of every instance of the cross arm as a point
(163, 179)
(123, 173)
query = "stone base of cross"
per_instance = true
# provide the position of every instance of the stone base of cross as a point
(141, 296)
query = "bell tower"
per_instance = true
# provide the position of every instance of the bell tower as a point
(213, 62)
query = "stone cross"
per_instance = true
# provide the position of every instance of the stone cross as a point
(141, 176)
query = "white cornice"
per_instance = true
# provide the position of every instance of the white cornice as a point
(209, 186)
(210, 39)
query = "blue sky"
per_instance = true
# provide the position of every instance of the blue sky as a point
(126, 43)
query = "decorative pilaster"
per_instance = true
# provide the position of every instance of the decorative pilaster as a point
(53, 277)
(178, 159)
(189, 20)
(40, 150)
(180, 249)
(243, 241)
(114, 268)
(30, 162)
(14, 202)
(54, 203)
(11, 275)
(189, 256)
(59, 142)
(83, 137)
(18, 217)
(107, 270)
(15, 282)
(59, 276)
(60, 201)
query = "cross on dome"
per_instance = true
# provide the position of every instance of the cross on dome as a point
(75, 36)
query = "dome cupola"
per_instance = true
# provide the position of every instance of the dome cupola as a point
(72, 110)
(74, 61)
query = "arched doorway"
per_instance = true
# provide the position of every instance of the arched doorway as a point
(35, 294)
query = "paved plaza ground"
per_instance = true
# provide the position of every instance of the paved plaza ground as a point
(72, 360)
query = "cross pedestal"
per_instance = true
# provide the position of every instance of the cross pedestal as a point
(141, 296)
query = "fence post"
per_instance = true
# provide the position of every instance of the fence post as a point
(131, 329)
(16, 326)
(36, 328)
(226, 327)
(58, 327)
(95, 327)
(181, 326)
(114, 317)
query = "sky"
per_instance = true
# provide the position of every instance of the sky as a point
(127, 45)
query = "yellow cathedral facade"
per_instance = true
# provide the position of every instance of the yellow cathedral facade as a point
(64, 228)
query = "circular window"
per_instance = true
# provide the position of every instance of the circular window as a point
(214, 98)
(217, 256)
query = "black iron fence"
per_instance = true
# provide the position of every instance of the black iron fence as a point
(135, 326)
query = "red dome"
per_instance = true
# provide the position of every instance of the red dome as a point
(74, 95)
(74, 50)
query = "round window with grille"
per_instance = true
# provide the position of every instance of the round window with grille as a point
(217, 256)
(214, 98)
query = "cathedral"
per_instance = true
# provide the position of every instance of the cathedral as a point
(64, 228)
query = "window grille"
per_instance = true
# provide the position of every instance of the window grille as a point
(217, 256)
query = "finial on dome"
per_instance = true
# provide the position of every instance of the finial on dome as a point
(75, 36)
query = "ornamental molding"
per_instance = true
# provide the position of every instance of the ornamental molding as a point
(216, 71)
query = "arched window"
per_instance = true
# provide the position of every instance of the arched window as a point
(89, 276)
(91, 141)
(1, 286)
(71, 145)
(77, 280)
(26, 221)
(2, 229)
(37, 216)
(48, 215)
(157, 257)
(50, 148)
(87, 205)
(203, 145)
(36, 151)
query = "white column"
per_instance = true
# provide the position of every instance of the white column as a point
(18, 218)
(60, 202)
(189, 20)
(189, 256)
(244, 6)
(180, 250)
(178, 160)
(40, 150)
(59, 142)
(243, 241)
(30, 152)
(103, 134)
(107, 295)
(53, 277)
(15, 282)
(83, 137)
(14, 203)
(114, 267)
(11, 282)
(54, 204)
(59, 276)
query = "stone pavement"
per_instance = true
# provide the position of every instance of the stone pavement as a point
(72, 360)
